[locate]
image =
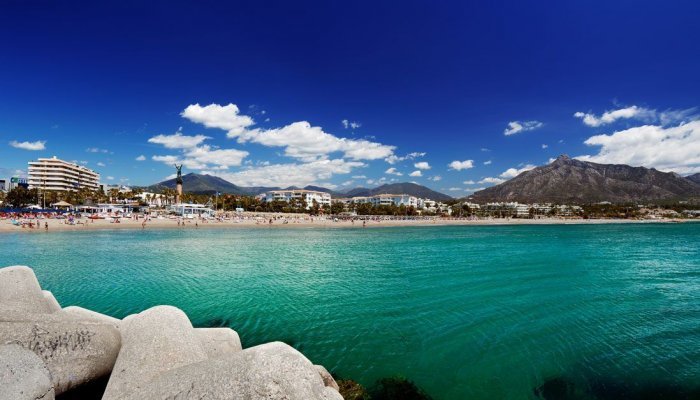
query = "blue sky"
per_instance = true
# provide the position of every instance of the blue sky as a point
(453, 95)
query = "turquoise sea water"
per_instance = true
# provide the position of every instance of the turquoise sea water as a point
(479, 312)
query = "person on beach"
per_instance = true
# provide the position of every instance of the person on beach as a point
(46, 226)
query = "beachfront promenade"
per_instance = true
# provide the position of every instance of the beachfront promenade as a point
(47, 350)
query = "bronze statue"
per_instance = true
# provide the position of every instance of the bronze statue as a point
(179, 173)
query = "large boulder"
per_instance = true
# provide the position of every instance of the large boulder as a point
(269, 371)
(327, 377)
(155, 341)
(23, 376)
(20, 291)
(74, 351)
(218, 342)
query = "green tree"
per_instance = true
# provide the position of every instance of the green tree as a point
(337, 207)
(20, 197)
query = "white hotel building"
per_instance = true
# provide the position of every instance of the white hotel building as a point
(59, 175)
(323, 199)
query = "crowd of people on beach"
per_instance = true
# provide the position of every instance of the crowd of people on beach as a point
(35, 219)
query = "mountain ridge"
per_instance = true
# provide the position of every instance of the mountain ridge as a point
(694, 178)
(209, 184)
(568, 180)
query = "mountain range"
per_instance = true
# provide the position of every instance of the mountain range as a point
(568, 180)
(208, 184)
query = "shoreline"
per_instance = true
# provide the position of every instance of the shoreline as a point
(57, 225)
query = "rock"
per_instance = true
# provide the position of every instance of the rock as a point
(20, 291)
(351, 390)
(51, 301)
(218, 342)
(89, 315)
(269, 371)
(157, 340)
(327, 377)
(75, 352)
(23, 375)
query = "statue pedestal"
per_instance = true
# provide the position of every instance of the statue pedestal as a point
(178, 196)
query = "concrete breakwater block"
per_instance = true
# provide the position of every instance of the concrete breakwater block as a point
(20, 291)
(269, 371)
(89, 315)
(75, 352)
(155, 341)
(51, 301)
(23, 375)
(46, 351)
(218, 342)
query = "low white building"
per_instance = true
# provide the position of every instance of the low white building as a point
(110, 208)
(189, 210)
(308, 196)
(153, 199)
(388, 199)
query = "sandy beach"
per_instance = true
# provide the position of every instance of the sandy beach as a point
(56, 225)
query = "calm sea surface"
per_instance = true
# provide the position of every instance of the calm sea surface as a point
(605, 311)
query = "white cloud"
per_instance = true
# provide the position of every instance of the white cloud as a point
(359, 177)
(297, 174)
(216, 116)
(544, 146)
(455, 189)
(195, 154)
(222, 158)
(609, 117)
(34, 146)
(487, 162)
(518, 126)
(101, 164)
(492, 180)
(110, 178)
(96, 150)
(300, 139)
(436, 178)
(513, 172)
(644, 114)
(507, 174)
(393, 159)
(460, 165)
(178, 140)
(484, 149)
(350, 124)
(306, 142)
(422, 165)
(393, 171)
(141, 158)
(675, 148)
(416, 173)
(166, 159)
(472, 190)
